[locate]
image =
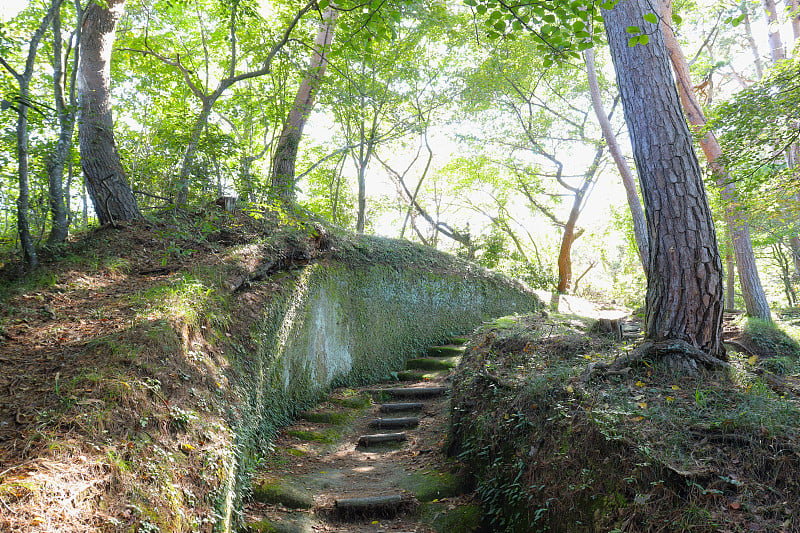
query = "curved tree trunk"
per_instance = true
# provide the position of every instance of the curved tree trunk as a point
(105, 178)
(283, 164)
(570, 235)
(754, 297)
(685, 286)
(635, 205)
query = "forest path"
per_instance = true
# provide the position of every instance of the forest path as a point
(327, 473)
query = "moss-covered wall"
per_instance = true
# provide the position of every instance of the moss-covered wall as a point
(338, 324)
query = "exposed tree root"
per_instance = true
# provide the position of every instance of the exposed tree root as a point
(677, 354)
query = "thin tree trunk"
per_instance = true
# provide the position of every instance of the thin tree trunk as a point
(751, 40)
(730, 282)
(182, 195)
(105, 178)
(755, 299)
(628, 180)
(23, 80)
(66, 117)
(685, 285)
(776, 50)
(283, 165)
(570, 235)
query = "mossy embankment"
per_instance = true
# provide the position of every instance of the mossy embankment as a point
(646, 450)
(148, 365)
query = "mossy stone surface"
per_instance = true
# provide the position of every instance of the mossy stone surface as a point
(462, 519)
(411, 375)
(442, 363)
(327, 436)
(284, 493)
(459, 340)
(431, 486)
(292, 523)
(446, 351)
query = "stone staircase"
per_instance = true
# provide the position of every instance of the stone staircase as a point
(382, 472)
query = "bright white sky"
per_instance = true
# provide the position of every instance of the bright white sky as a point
(9, 8)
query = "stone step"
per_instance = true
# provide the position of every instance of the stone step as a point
(366, 441)
(458, 341)
(401, 406)
(448, 350)
(395, 423)
(413, 392)
(439, 363)
(378, 506)
(420, 375)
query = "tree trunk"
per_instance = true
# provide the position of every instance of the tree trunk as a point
(283, 164)
(684, 288)
(23, 80)
(105, 178)
(730, 282)
(755, 299)
(793, 6)
(182, 194)
(751, 40)
(777, 53)
(635, 205)
(66, 118)
(570, 235)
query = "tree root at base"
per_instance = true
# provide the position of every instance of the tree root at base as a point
(678, 354)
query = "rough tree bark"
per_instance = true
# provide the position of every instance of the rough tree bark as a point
(65, 109)
(739, 229)
(283, 163)
(105, 178)
(684, 289)
(628, 180)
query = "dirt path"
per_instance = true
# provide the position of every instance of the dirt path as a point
(317, 468)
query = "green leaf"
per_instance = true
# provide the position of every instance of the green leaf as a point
(517, 25)
(676, 18)
(651, 18)
(500, 26)
(481, 9)
(633, 41)
(548, 62)
(549, 17)
(578, 25)
(472, 3)
(322, 4)
(633, 29)
(644, 39)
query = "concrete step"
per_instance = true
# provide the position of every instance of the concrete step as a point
(395, 423)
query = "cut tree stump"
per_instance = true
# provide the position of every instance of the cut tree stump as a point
(395, 423)
(380, 438)
(401, 406)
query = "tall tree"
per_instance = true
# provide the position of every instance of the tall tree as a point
(684, 287)
(65, 105)
(105, 178)
(739, 229)
(283, 164)
(23, 102)
(628, 180)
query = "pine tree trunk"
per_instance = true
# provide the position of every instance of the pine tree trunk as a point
(685, 285)
(105, 178)
(628, 180)
(755, 299)
(283, 164)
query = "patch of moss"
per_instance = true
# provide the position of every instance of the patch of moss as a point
(408, 375)
(356, 402)
(459, 340)
(431, 486)
(462, 519)
(325, 417)
(444, 363)
(327, 436)
(445, 351)
(292, 523)
(284, 493)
